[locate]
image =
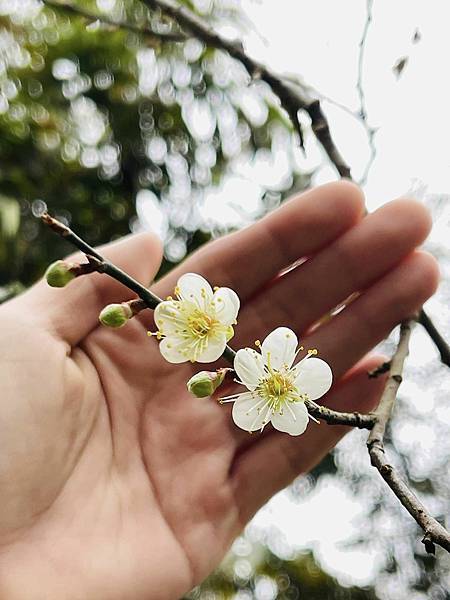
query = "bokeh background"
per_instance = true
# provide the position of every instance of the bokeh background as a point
(115, 131)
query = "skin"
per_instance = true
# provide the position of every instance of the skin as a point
(115, 483)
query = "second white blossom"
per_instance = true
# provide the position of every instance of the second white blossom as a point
(277, 390)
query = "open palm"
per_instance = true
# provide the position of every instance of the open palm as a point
(115, 483)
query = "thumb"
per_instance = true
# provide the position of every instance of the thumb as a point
(72, 312)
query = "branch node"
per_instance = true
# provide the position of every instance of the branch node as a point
(427, 541)
(380, 370)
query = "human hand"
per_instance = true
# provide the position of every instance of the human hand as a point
(115, 483)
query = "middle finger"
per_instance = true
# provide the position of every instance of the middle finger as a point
(352, 263)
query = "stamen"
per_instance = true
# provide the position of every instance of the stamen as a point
(291, 411)
(257, 405)
(265, 419)
(257, 417)
(157, 334)
(232, 396)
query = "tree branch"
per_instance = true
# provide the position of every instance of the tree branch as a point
(334, 417)
(435, 533)
(102, 265)
(76, 10)
(291, 97)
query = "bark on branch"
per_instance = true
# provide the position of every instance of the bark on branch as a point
(435, 533)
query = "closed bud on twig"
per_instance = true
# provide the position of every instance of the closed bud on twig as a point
(59, 274)
(115, 315)
(205, 383)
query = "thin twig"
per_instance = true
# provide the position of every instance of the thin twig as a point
(435, 533)
(103, 265)
(441, 344)
(76, 10)
(370, 132)
(333, 417)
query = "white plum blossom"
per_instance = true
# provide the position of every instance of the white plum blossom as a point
(277, 390)
(197, 325)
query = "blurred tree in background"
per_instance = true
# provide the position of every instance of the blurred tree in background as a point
(114, 130)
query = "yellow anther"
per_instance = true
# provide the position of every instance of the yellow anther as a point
(216, 287)
(257, 343)
(157, 334)
(169, 298)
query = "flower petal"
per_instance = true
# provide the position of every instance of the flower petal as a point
(293, 420)
(168, 317)
(249, 367)
(227, 304)
(213, 350)
(279, 347)
(314, 377)
(192, 287)
(249, 412)
(173, 350)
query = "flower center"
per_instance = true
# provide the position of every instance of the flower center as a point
(200, 323)
(277, 389)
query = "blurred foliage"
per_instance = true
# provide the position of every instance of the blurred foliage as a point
(264, 576)
(113, 130)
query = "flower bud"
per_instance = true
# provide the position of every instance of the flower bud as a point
(115, 315)
(59, 274)
(205, 383)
